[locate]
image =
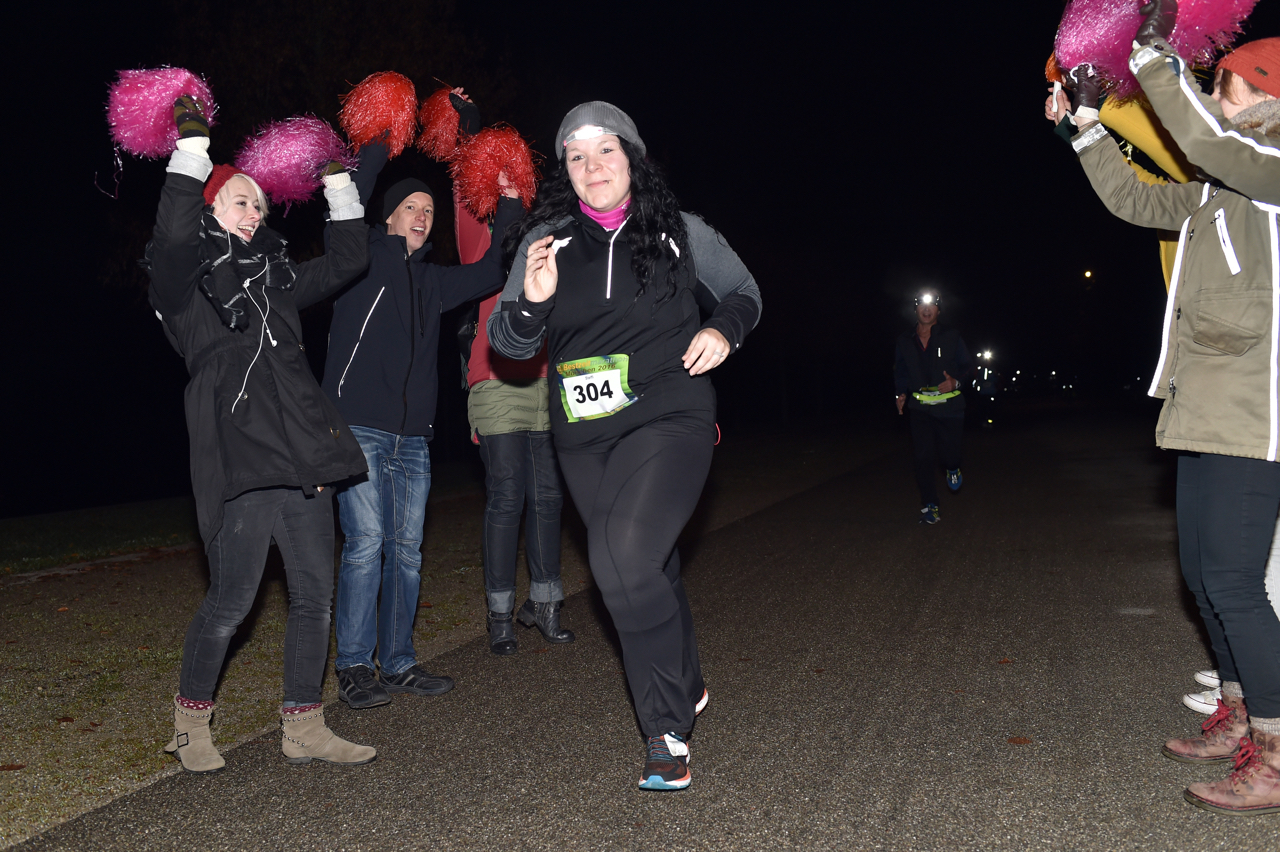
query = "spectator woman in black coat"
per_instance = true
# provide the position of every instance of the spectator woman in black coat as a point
(264, 439)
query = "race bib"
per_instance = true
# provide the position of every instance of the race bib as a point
(594, 387)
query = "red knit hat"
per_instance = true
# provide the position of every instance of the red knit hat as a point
(1258, 62)
(221, 174)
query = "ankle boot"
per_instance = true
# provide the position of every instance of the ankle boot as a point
(307, 738)
(1253, 786)
(192, 743)
(1220, 738)
(547, 617)
(502, 635)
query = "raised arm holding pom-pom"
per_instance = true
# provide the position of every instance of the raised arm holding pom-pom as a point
(1161, 18)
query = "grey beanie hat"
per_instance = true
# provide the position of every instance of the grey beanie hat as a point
(601, 114)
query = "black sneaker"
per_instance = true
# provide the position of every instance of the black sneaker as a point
(359, 687)
(666, 766)
(415, 680)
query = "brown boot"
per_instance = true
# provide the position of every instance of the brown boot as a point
(1253, 786)
(307, 738)
(192, 741)
(1220, 740)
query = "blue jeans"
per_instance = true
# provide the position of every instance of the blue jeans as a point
(382, 516)
(302, 528)
(521, 476)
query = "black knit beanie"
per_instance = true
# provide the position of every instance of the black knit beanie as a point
(399, 191)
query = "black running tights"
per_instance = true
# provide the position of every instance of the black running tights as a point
(635, 498)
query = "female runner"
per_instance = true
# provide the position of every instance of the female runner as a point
(612, 273)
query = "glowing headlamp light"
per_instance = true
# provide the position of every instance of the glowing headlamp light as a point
(589, 131)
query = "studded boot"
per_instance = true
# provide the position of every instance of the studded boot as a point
(192, 743)
(306, 738)
(547, 618)
(1219, 740)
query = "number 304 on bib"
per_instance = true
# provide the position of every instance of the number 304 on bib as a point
(594, 387)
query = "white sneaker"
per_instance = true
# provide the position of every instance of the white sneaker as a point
(1203, 702)
(1208, 677)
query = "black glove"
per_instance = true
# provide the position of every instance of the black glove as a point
(1088, 86)
(1161, 17)
(189, 118)
(468, 115)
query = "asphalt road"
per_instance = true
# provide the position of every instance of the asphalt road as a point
(1002, 680)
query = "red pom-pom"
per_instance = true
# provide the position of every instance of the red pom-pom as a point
(140, 108)
(439, 120)
(286, 157)
(478, 161)
(381, 103)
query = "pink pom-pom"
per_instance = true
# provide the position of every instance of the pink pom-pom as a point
(1100, 32)
(439, 120)
(286, 157)
(140, 108)
(478, 161)
(382, 103)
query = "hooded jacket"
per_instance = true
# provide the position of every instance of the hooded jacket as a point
(1219, 365)
(380, 370)
(255, 415)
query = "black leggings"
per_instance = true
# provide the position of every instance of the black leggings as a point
(935, 440)
(1226, 519)
(635, 498)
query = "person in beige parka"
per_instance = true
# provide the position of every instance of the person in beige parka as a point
(1218, 373)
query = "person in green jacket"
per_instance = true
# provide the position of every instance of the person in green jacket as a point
(1218, 374)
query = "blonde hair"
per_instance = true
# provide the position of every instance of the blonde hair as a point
(223, 198)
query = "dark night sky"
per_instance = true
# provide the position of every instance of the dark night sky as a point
(849, 158)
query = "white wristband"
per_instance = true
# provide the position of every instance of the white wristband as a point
(1084, 115)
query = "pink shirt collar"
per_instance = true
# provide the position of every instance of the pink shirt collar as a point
(609, 221)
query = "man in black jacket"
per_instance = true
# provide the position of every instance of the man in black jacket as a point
(929, 366)
(381, 373)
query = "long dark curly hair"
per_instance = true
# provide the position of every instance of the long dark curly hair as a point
(653, 218)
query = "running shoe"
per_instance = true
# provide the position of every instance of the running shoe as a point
(954, 479)
(929, 514)
(667, 765)
(1203, 702)
(1209, 678)
(702, 704)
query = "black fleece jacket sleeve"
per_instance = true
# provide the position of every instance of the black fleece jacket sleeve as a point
(372, 159)
(175, 244)
(469, 281)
